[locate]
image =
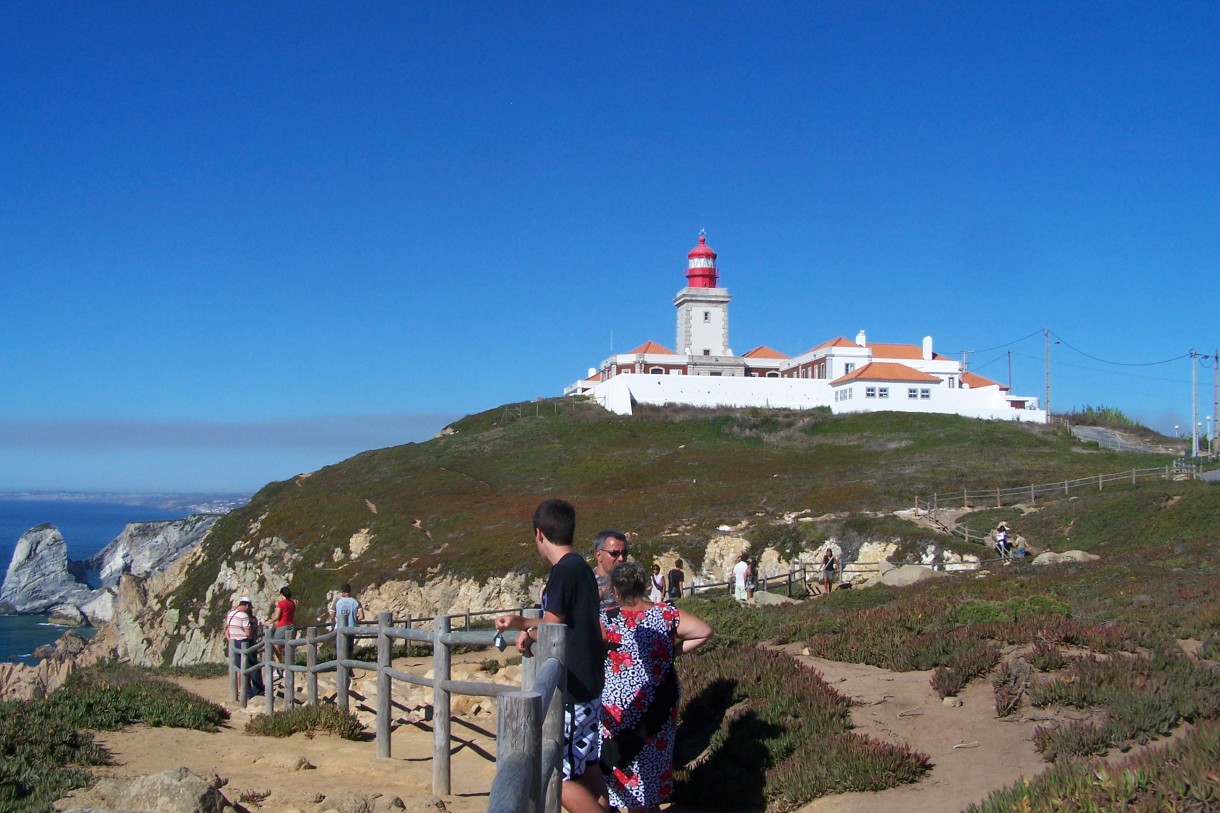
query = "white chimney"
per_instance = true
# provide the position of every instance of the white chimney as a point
(927, 348)
(860, 339)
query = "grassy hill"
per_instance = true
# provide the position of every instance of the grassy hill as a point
(460, 503)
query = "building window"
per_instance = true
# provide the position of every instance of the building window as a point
(883, 392)
(707, 316)
(707, 352)
(714, 373)
(952, 382)
(912, 393)
(925, 394)
(870, 392)
(656, 370)
(849, 367)
(772, 374)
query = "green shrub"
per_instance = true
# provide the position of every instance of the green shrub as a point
(771, 734)
(309, 719)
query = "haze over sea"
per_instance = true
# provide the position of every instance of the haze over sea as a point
(88, 522)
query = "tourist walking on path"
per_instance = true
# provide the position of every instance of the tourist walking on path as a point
(740, 571)
(675, 577)
(830, 564)
(656, 585)
(241, 628)
(609, 548)
(571, 599)
(347, 611)
(640, 698)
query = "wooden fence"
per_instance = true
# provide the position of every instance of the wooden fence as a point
(935, 506)
(260, 656)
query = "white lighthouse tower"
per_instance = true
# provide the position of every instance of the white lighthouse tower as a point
(703, 314)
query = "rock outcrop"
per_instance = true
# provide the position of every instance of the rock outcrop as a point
(39, 576)
(144, 548)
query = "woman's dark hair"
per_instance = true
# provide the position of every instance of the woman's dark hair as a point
(285, 592)
(656, 568)
(630, 581)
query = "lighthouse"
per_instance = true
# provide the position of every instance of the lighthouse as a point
(703, 308)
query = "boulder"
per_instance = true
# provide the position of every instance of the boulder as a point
(909, 574)
(67, 615)
(1052, 558)
(177, 790)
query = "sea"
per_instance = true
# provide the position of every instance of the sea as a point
(88, 522)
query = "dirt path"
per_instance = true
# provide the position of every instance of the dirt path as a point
(264, 765)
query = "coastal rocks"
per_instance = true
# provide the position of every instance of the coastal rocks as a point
(56, 661)
(144, 548)
(1052, 558)
(67, 615)
(39, 576)
(177, 790)
(906, 575)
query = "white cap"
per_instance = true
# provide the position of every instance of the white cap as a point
(244, 600)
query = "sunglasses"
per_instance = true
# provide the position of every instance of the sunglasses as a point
(615, 554)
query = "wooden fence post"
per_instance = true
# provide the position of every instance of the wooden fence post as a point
(290, 659)
(311, 665)
(519, 730)
(1133, 477)
(234, 675)
(385, 684)
(407, 647)
(343, 647)
(268, 672)
(530, 664)
(1099, 482)
(243, 682)
(1033, 497)
(997, 496)
(552, 643)
(965, 501)
(440, 706)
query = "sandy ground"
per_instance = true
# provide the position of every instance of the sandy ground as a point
(973, 752)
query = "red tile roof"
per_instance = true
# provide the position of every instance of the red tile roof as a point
(974, 381)
(886, 371)
(839, 342)
(896, 351)
(764, 352)
(652, 348)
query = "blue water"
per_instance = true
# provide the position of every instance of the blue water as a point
(87, 527)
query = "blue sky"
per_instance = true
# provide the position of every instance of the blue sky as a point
(241, 241)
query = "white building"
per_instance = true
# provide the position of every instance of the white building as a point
(845, 375)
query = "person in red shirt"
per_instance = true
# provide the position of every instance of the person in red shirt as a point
(283, 616)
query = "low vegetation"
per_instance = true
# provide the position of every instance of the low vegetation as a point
(307, 719)
(760, 731)
(47, 746)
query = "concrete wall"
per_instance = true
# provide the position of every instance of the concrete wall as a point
(620, 393)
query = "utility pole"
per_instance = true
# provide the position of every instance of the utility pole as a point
(1046, 337)
(966, 360)
(1194, 403)
(1211, 443)
(1010, 372)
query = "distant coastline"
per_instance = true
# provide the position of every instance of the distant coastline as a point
(88, 521)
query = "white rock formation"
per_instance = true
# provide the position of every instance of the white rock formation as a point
(38, 577)
(146, 547)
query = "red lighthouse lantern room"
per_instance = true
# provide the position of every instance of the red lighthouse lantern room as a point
(701, 266)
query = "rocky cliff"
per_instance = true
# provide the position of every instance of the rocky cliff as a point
(144, 548)
(39, 577)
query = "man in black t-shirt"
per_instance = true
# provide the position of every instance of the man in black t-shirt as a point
(571, 599)
(676, 577)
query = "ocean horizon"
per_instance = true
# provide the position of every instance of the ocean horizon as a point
(88, 522)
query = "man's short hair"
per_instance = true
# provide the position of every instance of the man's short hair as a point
(600, 541)
(557, 521)
(678, 564)
(345, 588)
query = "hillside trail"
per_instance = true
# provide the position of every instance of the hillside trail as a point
(973, 752)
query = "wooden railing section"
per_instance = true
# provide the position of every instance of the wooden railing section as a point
(542, 687)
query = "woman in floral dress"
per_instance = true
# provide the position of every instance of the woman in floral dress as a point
(640, 699)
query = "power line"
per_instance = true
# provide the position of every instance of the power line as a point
(1002, 346)
(1065, 343)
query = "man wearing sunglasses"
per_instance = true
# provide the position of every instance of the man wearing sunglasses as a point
(609, 548)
